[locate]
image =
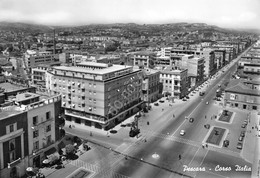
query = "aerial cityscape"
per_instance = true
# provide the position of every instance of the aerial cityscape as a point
(129, 89)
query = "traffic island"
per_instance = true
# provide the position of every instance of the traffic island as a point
(226, 116)
(216, 136)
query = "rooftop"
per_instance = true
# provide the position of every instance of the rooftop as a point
(26, 96)
(10, 87)
(238, 86)
(103, 68)
(9, 110)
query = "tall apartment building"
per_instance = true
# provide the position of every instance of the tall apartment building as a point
(207, 54)
(96, 94)
(174, 81)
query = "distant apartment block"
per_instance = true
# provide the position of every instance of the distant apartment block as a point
(96, 94)
(144, 59)
(34, 58)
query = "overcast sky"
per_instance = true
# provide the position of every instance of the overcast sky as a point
(224, 13)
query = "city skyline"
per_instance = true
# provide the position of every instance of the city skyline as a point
(227, 14)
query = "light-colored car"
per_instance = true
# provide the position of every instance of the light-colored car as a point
(182, 132)
(239, 145)
(207, 102)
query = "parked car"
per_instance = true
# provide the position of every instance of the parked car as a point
(240, 138)
(187, 97)
(182, 132)
(225, 143)
(239, 145)
(243, 125)
(202, 93)
(156, 104)
(184, 99)
(161, 101)
(207, 126)
(242, 134)
(207, 103)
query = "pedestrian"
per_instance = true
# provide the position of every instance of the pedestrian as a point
(162, 109)
(173, 116)
(70, 126)
(179, 157)
(90, 133)
(202, 146)
(205, 116)
(206, 145)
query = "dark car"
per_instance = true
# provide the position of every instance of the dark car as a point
(161, 101)
(156, 104)
(187, 97)
(184, 99)
(225, 143)
(239, 145)
(191, 119)
(207, 126)
(202, 93)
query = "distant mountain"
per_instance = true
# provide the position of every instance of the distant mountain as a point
(181, 26)
(16, 26)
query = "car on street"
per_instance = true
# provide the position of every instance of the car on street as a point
(242, 134)
(207, 126)
(156, 104)
(240, 138)
(187, 97)
(161, 101)
(182, 132)
(225, 143)
(191, 119)
(239, 145)
(184, 99)
(243, 125)
(202, 93)
(207, 102)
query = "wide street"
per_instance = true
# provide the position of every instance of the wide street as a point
(160, 150)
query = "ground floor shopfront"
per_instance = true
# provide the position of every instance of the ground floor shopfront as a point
(242, 105)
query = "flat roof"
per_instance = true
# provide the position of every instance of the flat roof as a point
(113, 68)
(9, 110)
(26, 96)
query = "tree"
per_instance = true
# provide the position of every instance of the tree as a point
(70, 149)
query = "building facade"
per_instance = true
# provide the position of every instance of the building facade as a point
(243, 94)
(174, 82)
(95, 94)
(151, 85)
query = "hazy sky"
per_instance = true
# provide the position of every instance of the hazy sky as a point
(224, 13)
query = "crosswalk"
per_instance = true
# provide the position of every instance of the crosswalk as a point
(96, 170)
(104, 167)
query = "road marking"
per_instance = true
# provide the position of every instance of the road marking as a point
(194, 156)
(185, 120)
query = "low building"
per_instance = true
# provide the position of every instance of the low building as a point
(243, 94)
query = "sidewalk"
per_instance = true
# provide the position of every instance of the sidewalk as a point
(256, 161)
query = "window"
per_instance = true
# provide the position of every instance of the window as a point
(35, 120)
(78, 121)
(12, 156)
(48, 128)
(36, 145)
(49, 139)
(12, 145)
(48, 115)
(11, 128)
(35, 133)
